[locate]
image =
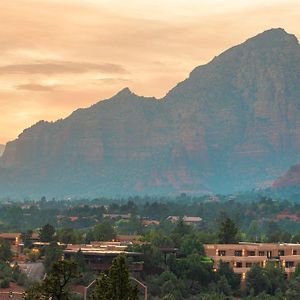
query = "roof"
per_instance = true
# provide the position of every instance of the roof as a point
(128, 238)
(10, 235)
(185, 219)
(104, 249)
(192, 219)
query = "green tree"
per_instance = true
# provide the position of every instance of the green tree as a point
(117, 286)
(101, 232)
(47, 233)
(227, 232)
(5, 252)
(56, 285)
(69, 236)
(53, 253)
(232, 278)
(102, 287)
(223, 286)
(256, 280)
(276, 277)
(181, 229)
(26, 238)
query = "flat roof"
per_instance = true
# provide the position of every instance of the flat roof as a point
(102, 252)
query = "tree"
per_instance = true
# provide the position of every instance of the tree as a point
(56, 285)
(26, 238)
(101, 232)
(69, 236)
(47, 233)
(53, 253)
(191, 243)
(116, 285)
(256, 280)
(102, 286)
(223, 286)
(5, 252)
(227, 232)
(232, 278)
(276, 277)
(180, 231)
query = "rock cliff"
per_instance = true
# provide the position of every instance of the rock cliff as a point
(231, 125)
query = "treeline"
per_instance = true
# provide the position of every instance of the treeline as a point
(258, 218)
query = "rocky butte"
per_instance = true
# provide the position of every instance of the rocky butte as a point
(232, 125)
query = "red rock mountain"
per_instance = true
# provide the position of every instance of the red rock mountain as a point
(289, 183)
(2, 147)
(232, 125)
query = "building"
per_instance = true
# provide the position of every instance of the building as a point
(128, 239)
(186, 219)
(98, 256)
(242, 256)
(148, 222)
(117, 216)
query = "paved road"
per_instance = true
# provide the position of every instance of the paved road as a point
(34, 271)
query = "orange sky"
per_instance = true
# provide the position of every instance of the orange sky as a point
(59, 55)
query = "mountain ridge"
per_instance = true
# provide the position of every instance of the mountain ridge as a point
(2, 147)
(231, 125)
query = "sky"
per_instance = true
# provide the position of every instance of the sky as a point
(60, 55)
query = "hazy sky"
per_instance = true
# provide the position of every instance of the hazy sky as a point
(59, 55)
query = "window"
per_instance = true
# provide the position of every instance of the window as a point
(261, 253)
(269, 254)
(221, 252)
(238, 264)
(251, 253)
(238, 253)
(280, 252)
(294, 252)
(248, 264)
(289, 264)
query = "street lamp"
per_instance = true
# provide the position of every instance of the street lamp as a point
(87, 288)
(143, 286)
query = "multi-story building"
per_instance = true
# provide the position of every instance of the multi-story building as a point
(242, 256)
(98, 256)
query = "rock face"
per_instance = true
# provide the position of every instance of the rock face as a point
(2, 147)
(232, 125)
(289, 183)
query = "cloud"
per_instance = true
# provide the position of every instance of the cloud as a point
(114, 80)
(35, 87)
(58, 67)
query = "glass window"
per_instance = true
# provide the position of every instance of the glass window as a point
(289, 264)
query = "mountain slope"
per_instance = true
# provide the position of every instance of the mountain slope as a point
(289, 183)
(231, 125)
(2, 147)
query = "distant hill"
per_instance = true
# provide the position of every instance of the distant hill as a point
(2, 147)
(232, 125)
